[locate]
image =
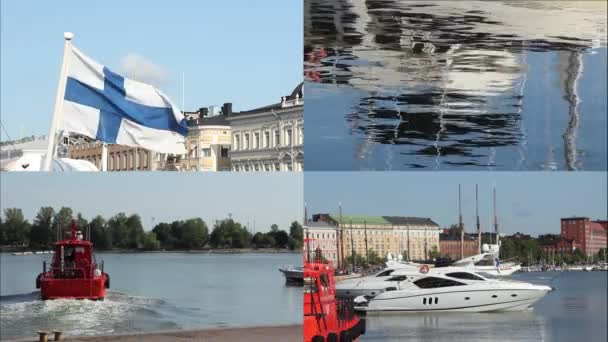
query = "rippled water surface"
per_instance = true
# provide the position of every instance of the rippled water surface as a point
(155, 292)
(455, 85)
(576, 311)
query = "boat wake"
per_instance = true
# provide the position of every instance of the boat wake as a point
(24, 314)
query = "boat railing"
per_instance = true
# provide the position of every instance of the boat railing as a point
(69, 272)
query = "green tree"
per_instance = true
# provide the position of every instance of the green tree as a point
(150, 241)
(100, 234)
(16, 227)
(41, 233)
(281, 239)
(135, 232)
(274, 228)
(229, 234)
(119, 230)
(62, 223)
(297, 234)
(164, 235)
(2, 232)
(194, 233)
(434, 253)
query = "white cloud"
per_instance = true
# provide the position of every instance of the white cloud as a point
(138, 68)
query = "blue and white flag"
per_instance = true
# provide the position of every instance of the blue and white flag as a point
(103, 105)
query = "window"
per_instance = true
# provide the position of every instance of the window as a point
(464, 275)
(224, 152)
(385, 273)
(236, 168)
(206, 152)
(277, 138)
(289, 137)
(277, 167)
(266, 139)
(237, 141)
(246, 141)
(397, 278)
(267, 167)
(257, 167)
(256, 142)
(433, 282)
(246, 167)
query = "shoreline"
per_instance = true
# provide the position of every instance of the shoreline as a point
(257, 333)
(193, 251)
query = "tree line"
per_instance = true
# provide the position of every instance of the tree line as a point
(123, 231)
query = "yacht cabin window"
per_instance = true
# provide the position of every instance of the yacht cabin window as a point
(384, 273)
(433, 282)
(464, 275)
(397, 278)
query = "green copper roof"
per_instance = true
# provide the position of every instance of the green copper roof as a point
(360, 219)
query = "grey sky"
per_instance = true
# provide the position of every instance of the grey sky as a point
(530, 202)
(263, 198)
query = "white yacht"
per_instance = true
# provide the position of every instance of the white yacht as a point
(440, 289)
(488, 262)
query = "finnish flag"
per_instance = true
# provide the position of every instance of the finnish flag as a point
(101, 104)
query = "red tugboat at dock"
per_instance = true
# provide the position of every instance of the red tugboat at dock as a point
(326, 318)
(74, 273)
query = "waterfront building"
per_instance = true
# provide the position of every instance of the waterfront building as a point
(269, 138)
(119, 157)
(590, 235)
(208, 140)
(384, 234)
(450, 247)
(323, 236)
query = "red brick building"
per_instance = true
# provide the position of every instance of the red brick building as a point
(451, 248)
(590, 236)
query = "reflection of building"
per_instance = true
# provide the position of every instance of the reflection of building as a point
(323, 236)
(269, 138)
(119, 157)
(579, 233)
(384, 234)
(208, 142)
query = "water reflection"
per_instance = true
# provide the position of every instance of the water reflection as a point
(445, 84)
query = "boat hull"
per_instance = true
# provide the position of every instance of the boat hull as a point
(456, 301)
(93, 289)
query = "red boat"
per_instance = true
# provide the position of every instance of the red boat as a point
(327, 318)
(74, 272)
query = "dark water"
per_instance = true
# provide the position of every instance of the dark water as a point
(576, 311)
(155, 292)
(455, 85)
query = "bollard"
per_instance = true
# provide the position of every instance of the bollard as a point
(42, 336)
(57, 335)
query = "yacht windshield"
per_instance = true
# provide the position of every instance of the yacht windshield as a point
(464, 275)
(488, 275)
(433, 282)
(385, 273)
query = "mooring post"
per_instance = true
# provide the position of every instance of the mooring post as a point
(57, 335)
(42, 336)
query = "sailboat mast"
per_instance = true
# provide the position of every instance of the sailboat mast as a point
(496, 221)
(478, 225)
(460, 225)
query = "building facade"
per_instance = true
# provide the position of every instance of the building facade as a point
(321, 236)
(270, 138)
(119, 157)
(450, 248)
(413, 236)
(207, 143)
(589, 235)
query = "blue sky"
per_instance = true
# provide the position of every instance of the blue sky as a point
(529, 202)
(260, 197)
(229, 51)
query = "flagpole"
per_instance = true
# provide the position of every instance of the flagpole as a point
(57, 112)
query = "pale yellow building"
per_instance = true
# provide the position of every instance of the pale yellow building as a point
(385, 234)
(207, 145)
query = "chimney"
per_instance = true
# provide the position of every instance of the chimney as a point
(227, 109)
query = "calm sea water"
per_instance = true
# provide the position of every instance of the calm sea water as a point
(455, 85)
(155, 291)
(576, 311)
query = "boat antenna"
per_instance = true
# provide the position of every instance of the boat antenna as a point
(478, 225)
(496, 221)
(73, 230)
(460, 225)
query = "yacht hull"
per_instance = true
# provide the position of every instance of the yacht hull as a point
(455, 301)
